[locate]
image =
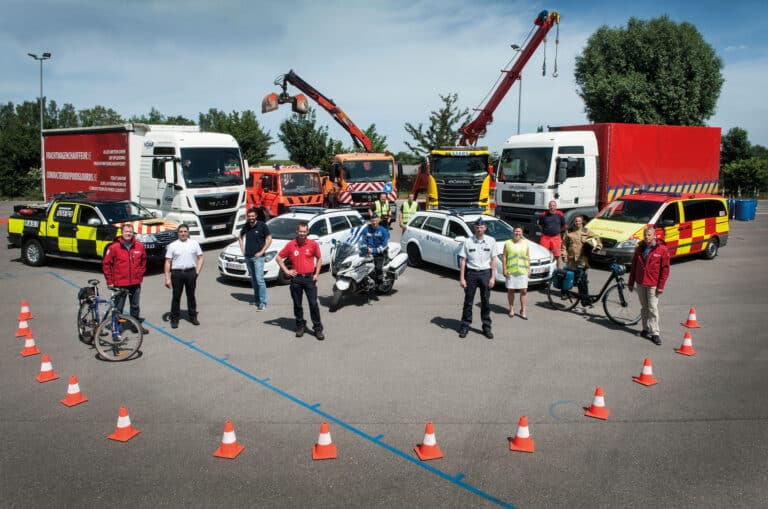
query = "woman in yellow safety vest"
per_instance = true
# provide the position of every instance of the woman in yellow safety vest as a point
(517, 267)
(407, 211)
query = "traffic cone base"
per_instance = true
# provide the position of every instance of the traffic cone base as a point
(522, 440)
(324, 449)
(686, 348)
(598, 410)
(229, 447)
(428, 449)
(46, 371)
(646, 376)
(25, 313)
(74, 396)
(30, 348)
(23, 329)
(691, 322)
(124, 431)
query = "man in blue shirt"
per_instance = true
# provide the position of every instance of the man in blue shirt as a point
(255, 239)
(377, 240)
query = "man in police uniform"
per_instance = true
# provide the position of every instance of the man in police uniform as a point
(478, 269)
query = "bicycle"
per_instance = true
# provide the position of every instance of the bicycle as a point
(618, 307)
(116, 336)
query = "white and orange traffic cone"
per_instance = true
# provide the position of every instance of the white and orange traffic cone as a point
(25, 313)
(691, 322)
(124, 431)
(687, 347)
(23, 329)
(46, 371)
(522, 440)
(428, 449)
(598, 410)
(30, 348)
(229, 447)
(324, 449)
(74, 396)
(646, 376)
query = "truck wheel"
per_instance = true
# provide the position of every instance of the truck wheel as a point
(712, 247)
(32, 253)
(414, 256)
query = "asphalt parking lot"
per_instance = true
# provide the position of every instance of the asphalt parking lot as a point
(697, 439)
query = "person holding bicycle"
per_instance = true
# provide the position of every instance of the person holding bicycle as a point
(124, 265)
(577, 244)
(650, 270)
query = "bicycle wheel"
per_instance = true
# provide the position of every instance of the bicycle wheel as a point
(620, 307)
(563, 301)
(122, 345)
(86, 323)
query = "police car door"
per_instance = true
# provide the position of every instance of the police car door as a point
(434, 240)
(455, 235)
(62, 229)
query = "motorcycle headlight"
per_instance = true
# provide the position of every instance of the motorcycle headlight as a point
(627, 244)
(146, 238)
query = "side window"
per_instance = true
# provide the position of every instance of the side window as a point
(716, 208)
(64, 212)
(355, 220)
(417, 222)
(88, 215)
(319, 228)
(455, 229)
(434, 225)
(670, 213)
(339, 224)
(695, 209)
(575, 168)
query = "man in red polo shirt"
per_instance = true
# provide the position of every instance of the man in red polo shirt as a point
(306, 261)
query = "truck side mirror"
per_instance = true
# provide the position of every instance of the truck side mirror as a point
(158, 172)
(399, 170)
(333, 172)
(169, 171)
(249, 180)
(562, 171)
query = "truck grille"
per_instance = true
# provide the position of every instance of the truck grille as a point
(166, 237)
(216, 201)
(218, 224)
(524, 197)
(364, 197)
(458, 195)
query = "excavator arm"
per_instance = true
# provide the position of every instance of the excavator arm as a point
(300, 105)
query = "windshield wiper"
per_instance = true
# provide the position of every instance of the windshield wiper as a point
(204, 183)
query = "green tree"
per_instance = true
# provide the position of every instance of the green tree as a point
(306, 143)
(759, 151)
(656, 71)
(443, 127)
(407, 158)
(99, 115)
(155, 117)
(19, 149)
(244, 127)
(745, 176)
(378, 142)
(734, 146)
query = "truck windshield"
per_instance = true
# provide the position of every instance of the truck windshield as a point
(452, 166)
(211, 167)
(116, 212)
(630, 211)
(300, 183)
(368, 171)
(525, 165)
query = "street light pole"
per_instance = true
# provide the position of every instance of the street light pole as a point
(44, 56)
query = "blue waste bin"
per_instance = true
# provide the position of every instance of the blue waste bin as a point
(745, 210)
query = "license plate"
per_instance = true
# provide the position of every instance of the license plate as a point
(234, 266)
(149, 246)
(218, 227)
(539, 270)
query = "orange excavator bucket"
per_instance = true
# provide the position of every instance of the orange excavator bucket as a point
(269, 103)
(300, 104)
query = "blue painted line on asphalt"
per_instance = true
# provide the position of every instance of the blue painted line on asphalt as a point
(264, 380)
(553, 405)
(458, 480)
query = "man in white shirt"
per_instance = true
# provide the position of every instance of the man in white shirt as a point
(478, 269)
(183, 263)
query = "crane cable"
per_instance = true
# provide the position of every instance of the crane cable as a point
(557, 44)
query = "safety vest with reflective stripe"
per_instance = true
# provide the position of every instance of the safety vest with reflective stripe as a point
(517, 257)
(382, 211)
(409, 210)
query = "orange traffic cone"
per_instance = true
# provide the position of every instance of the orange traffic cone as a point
(598, 410)
(124, 431)
(46, 371)
(23, 329)
(30, 348)
(229, 447)
(522, 441)
(324, 449)
(687, 347)
(74, 396)
(691, 322)
(25, 313)
(428, 449)
(646, 376)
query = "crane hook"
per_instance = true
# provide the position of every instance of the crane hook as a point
(557, 44)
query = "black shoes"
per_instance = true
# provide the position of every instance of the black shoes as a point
(300, 330)
(319, 335)
(194, 321)
(644, 333)
(174, 324)
(463, 333)
(656, 339)
(488, 334)
(144, 330)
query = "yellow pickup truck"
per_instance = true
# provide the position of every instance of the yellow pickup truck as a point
(72, 226)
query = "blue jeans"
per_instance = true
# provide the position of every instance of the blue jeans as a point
(256, 270)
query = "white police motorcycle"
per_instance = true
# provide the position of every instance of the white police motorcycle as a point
(353, 268)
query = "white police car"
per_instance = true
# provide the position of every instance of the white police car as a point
(436, 236)
(325, 225)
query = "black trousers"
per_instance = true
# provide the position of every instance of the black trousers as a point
(378, 265)
(183, 280)
(301, 284)
(477, 279)
(134, 295)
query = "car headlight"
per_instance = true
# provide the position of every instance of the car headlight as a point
(270, 256)
(627, 244)
(146, 238)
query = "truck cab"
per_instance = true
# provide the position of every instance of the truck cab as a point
(456, 177)
(275, 189)
(362, 177)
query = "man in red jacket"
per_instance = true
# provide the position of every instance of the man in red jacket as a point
(124, 265)
(650, 269)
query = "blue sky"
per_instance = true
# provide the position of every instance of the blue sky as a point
(382, 62)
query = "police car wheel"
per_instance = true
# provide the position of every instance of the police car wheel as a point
(32, 253)
(414, 256)
(712, 247)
